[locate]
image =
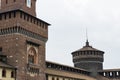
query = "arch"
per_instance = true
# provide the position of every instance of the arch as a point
(32, 56)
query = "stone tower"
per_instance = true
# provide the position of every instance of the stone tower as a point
(23, 38)
(88, 58)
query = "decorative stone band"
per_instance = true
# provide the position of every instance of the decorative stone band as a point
(23, 31)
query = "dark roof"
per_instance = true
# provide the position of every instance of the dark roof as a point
(87, 47)
(6, 65)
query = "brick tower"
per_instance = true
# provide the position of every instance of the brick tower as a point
(23, 38)
(88, 58)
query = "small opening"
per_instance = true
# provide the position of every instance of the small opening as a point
(5, 16)
(12, 74)
(27, 18)
(9, 15)
(24, 17)
(3, 73)
(6, 1)
(57, 78)
(14, 14)
(0, 17)
(20, 14)
(53, 78)
(0, 49)
(14, 0)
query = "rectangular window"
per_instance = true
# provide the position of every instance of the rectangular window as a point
(29, 3)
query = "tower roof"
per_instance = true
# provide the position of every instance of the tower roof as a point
(87, 47)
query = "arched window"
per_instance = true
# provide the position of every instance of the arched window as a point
(32, 56)
(4, 73)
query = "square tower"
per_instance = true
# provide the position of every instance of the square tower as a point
(23, 38)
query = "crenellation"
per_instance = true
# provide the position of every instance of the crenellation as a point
(65, 68)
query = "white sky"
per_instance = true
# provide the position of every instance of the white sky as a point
(69, 19)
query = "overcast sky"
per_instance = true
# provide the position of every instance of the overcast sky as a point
(67, 33)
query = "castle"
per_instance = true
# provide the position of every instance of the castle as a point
(23, 40)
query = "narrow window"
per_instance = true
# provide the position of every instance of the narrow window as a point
(9, 15)
(0, 17)
(14, 14)
(0, 49)
(53, 78)
(24, 17)
(20, 14)
(4, 16)
(12, 74)
(6, 1)
(57, 78)
(3, 73)
(29, 3)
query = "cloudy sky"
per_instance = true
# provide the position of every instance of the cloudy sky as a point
(69, 19)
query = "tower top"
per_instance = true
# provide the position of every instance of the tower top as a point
(28, 6)
(87, 43)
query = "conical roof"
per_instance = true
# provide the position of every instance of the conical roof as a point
(87, 47)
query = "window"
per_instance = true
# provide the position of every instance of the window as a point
(5, 16)
(32, 56)
(57, 78)
(3, 73)
(29, 3)
(53, 78)
(0, 49)
(14, 15)
(9, 15)
(12, 74)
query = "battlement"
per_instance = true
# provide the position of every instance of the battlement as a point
(25, 16)
(111, 73)
(66, 68)
(19, 21)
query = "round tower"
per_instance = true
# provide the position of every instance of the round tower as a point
(88, 58)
